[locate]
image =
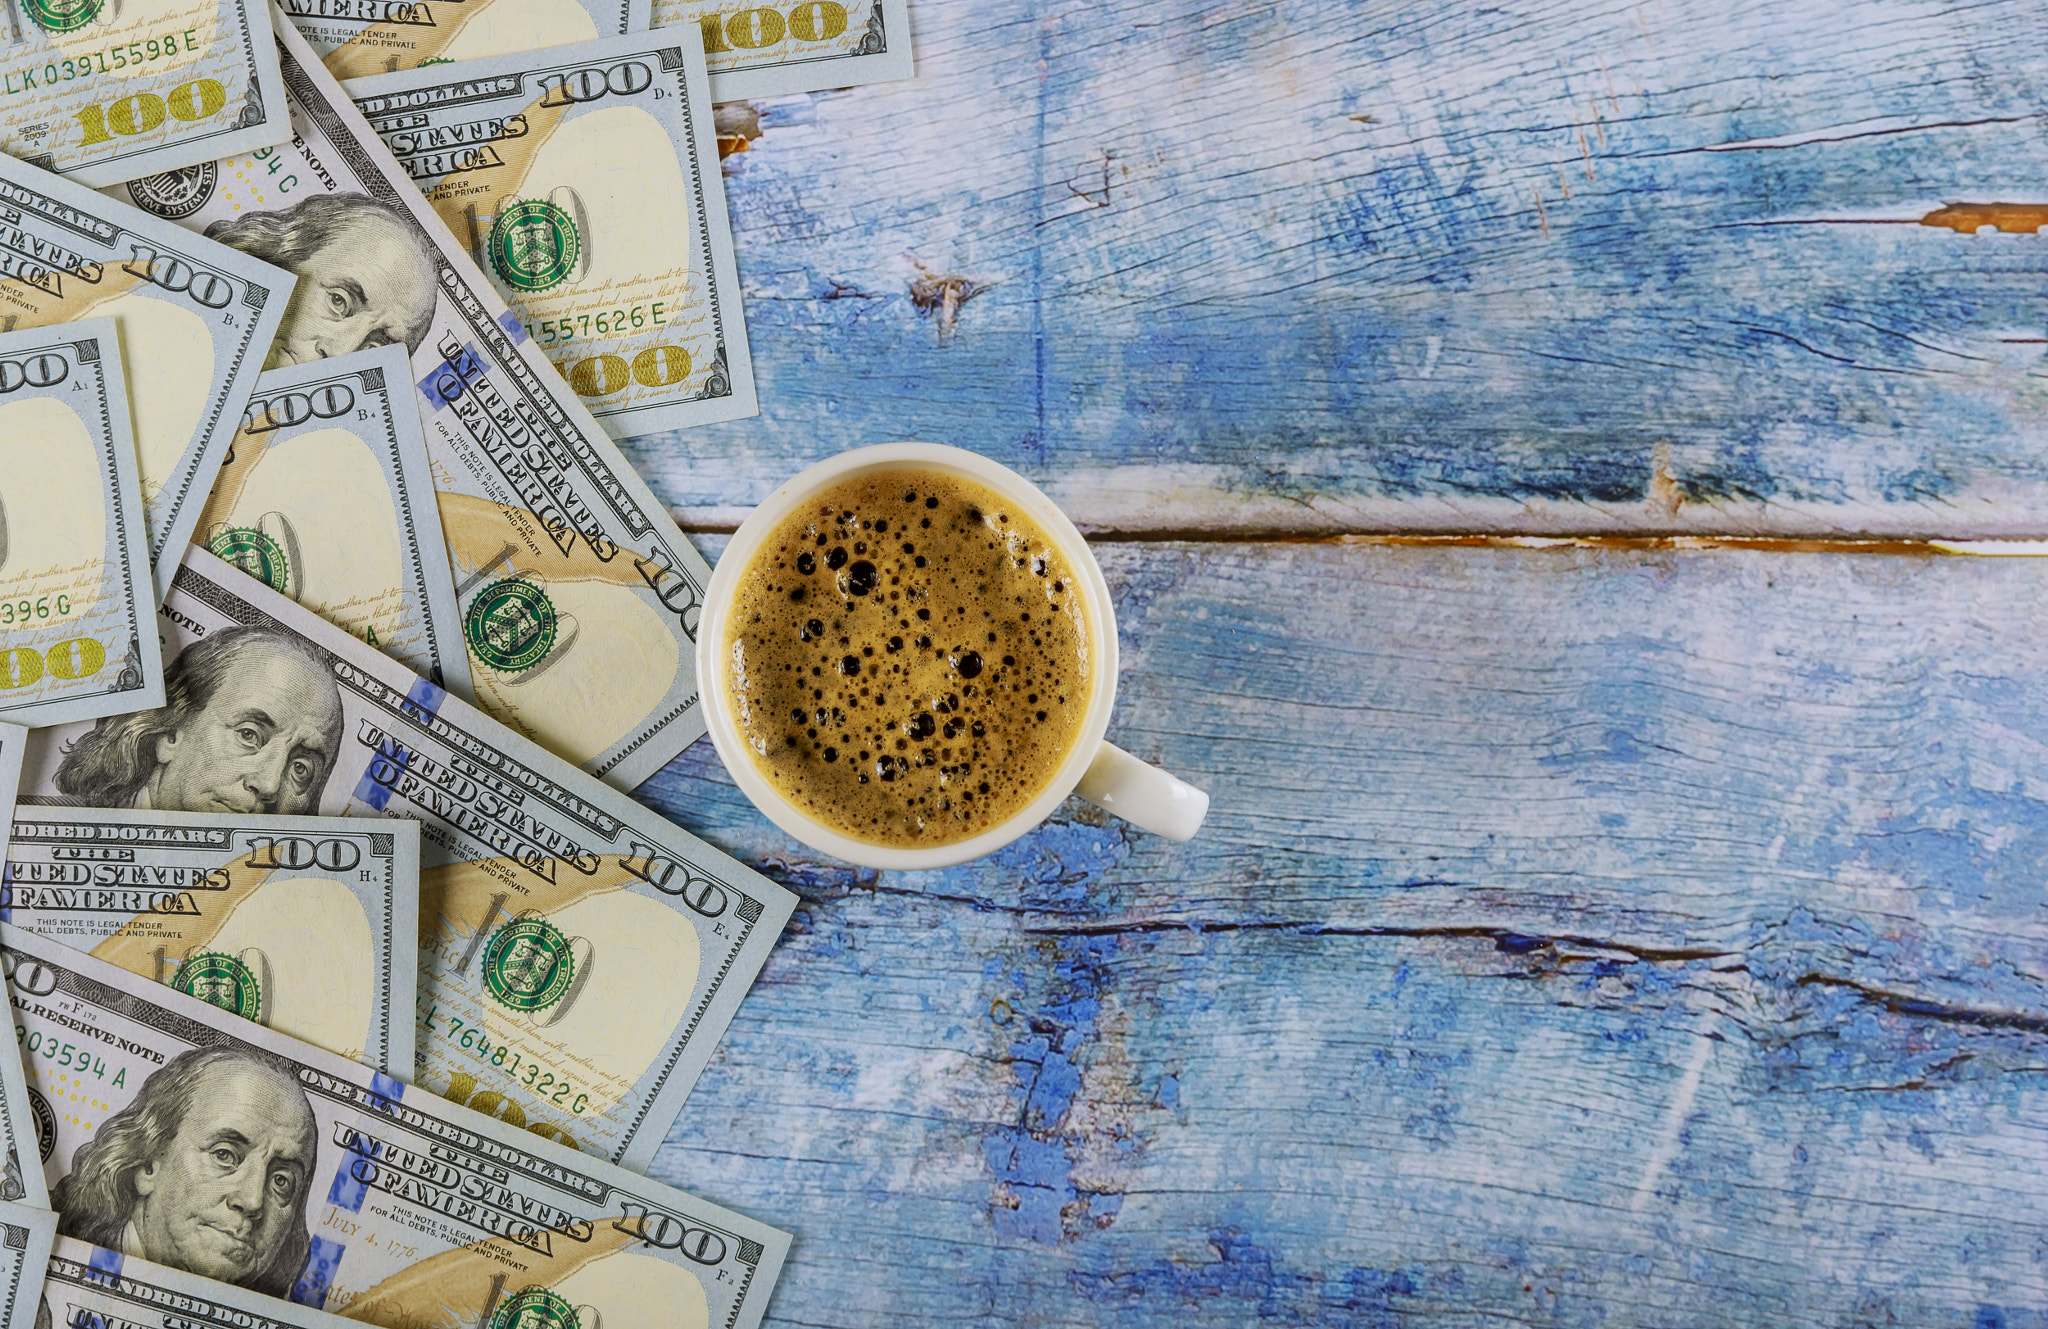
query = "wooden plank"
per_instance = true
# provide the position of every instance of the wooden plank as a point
(1326, 265)
(1579, 937)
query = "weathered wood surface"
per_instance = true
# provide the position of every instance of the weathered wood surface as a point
(1325, 265)
(1580, 937)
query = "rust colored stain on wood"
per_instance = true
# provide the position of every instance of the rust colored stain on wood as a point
(1969, 218)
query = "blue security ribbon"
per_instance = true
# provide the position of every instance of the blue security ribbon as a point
(447, 380)
(347, 1191)
(104, 1265)
(424, 698)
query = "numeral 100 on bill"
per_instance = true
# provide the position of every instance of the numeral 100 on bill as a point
(141, 112)
(753, 29)
(602, 375)
(298, 853)
(81, 657)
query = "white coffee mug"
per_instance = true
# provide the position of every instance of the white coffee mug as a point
(1098, 770)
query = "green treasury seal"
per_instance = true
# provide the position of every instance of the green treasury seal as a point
(254, 553)
(510, 625)
(63, 15)
(528, 964)
(535, 1308)
(223, 981)
(534, 245)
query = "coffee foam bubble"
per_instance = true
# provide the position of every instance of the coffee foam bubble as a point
(908, 658)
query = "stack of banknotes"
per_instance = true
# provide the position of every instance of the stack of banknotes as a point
(334, 627)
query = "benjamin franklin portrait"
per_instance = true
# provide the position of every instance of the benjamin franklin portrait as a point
(208, 1170)
(251, 722)
(366, 275)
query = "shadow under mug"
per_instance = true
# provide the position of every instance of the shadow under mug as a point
(1096, 769)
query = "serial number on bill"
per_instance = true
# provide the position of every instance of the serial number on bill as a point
(549, 1086)
(609, 323)
(104, 61)
(39, 610)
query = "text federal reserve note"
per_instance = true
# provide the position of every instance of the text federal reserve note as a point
(579, 955)
(357, 38)
(771, 50)
(108, 90)
(307, 925)
(359, 1194)
(585, 182)
(579, 596)
(76, 640)
(194, 317)
(327, 496)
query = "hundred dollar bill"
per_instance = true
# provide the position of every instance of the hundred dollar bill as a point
(307, 925)
(194, 318)
(327, 496)
(26, 1235)
(356, 38)
(48, 1281)
(75, 598)
(585, 181)
(771, 50)
(25, 1121)
(20, 1171)
(579, 955)
(579, 596)
(108, 90)
(92, 1287)
(77, 1285)
(228, 1150)
(13, 738)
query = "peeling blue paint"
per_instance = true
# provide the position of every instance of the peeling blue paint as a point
(1032, 1158)
(1057, 864)
(1259, 1286)
(1243, 1274)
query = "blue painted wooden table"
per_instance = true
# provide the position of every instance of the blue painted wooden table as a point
(1629, 931)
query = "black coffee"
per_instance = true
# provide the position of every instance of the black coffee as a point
(909, 658)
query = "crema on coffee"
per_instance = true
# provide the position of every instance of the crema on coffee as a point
(908, 658)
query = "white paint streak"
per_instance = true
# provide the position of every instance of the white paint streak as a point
(1858, 129)
(1995, 548)
(1178, 496)
(1674, 1121)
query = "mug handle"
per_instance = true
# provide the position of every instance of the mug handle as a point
(1143, 794)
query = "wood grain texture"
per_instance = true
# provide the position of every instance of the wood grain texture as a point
(1326, 265)
(1579, 938)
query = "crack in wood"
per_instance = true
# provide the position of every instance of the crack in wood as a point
(1904, 1003)
(1508, 940)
